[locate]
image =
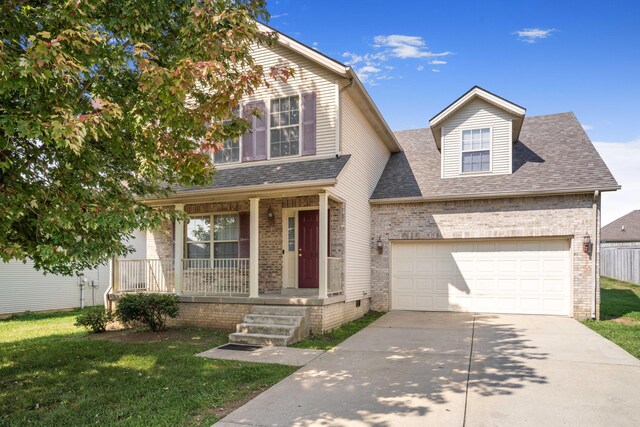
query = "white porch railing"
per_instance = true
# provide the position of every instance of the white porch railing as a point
(228, 276)
(145, 275)
(334, 277)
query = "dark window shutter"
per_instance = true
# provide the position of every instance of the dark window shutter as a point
(308, 123)
(245, 238)
(254, 143)
(260, 133)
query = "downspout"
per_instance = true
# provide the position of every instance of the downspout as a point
(339, 153)
(108, 291)
(594, 257)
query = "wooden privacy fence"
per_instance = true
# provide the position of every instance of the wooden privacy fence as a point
(621, 263)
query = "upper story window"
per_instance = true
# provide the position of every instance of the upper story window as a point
(285, 126)
(476, 150)
(230, 150)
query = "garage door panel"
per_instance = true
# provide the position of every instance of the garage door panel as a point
(530, 277)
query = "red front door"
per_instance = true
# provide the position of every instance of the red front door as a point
(308, 249)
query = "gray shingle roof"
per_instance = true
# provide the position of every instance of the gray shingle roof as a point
(553, 154)
(613, 232)
(281, 173)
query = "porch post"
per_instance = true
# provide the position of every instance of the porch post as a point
(324, 244)
(253, 246)
(178, 250)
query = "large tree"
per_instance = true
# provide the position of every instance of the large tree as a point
(104, 102)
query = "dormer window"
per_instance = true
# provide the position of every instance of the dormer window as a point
(476, 150)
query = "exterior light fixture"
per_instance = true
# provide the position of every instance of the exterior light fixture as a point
(270, 215)
(587, 246)
(379, 245)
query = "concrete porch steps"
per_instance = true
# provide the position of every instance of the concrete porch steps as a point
(273, 325)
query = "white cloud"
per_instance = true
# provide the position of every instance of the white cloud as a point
(281, 15)
(372, 66)
(533, 35)
(587, 127)
(435, 70)
(404, 47)
(622, 160)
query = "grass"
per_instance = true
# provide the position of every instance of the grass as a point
(619, 314)
(336, 336)
(53, 373)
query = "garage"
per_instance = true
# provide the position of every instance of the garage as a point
(524, 276)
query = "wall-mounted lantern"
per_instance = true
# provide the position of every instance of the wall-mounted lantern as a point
(270, 216)
(379, 245)
(587, 245)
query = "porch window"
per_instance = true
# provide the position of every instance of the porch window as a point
(222, 243)
(226, 234)
(285, 127)
(199, 237)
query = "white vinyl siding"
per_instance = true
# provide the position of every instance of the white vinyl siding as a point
(524, 276)
(477, 114)
(355, 185)
(308, 77)
(23, 288)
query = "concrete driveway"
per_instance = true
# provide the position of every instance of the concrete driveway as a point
(458, 369)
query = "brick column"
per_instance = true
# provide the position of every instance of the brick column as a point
(253, 246)
(178, 252)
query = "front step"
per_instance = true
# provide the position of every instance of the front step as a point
(271, 325)
(272, 319)
(264, 328)
(259, 339)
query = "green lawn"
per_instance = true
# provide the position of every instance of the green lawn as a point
(619, 314)
(331, 339)
(54, 374)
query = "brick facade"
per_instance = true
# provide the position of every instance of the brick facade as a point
(569, 216)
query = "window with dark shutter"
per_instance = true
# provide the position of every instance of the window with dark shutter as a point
(308, 123)
(244, 242)
(254, 143)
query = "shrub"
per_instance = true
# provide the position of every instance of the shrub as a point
(149, 309)
(94, 318)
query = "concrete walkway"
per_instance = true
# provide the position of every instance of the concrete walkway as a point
(458, 369)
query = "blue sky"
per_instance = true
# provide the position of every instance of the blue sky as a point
(415, 57)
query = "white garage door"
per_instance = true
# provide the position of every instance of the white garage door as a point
(515, 276)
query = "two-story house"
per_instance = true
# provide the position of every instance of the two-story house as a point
(287, 219)
(322, 207)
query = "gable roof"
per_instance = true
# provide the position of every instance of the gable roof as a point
(364, 101)
(517, 111)
(623, 229)
(553, 155)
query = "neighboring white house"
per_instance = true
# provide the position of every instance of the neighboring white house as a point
(23, 288)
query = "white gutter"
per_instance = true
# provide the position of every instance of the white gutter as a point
(490, 195)
(595, 251)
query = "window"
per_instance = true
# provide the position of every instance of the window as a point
(228, 153)
(230, 150)
(476, 150)
(285, 126)
(225, 238)
(226, 233)
(199, 237)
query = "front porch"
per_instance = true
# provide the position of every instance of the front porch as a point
(285, 250)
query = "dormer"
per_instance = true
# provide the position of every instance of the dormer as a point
(475, 134)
